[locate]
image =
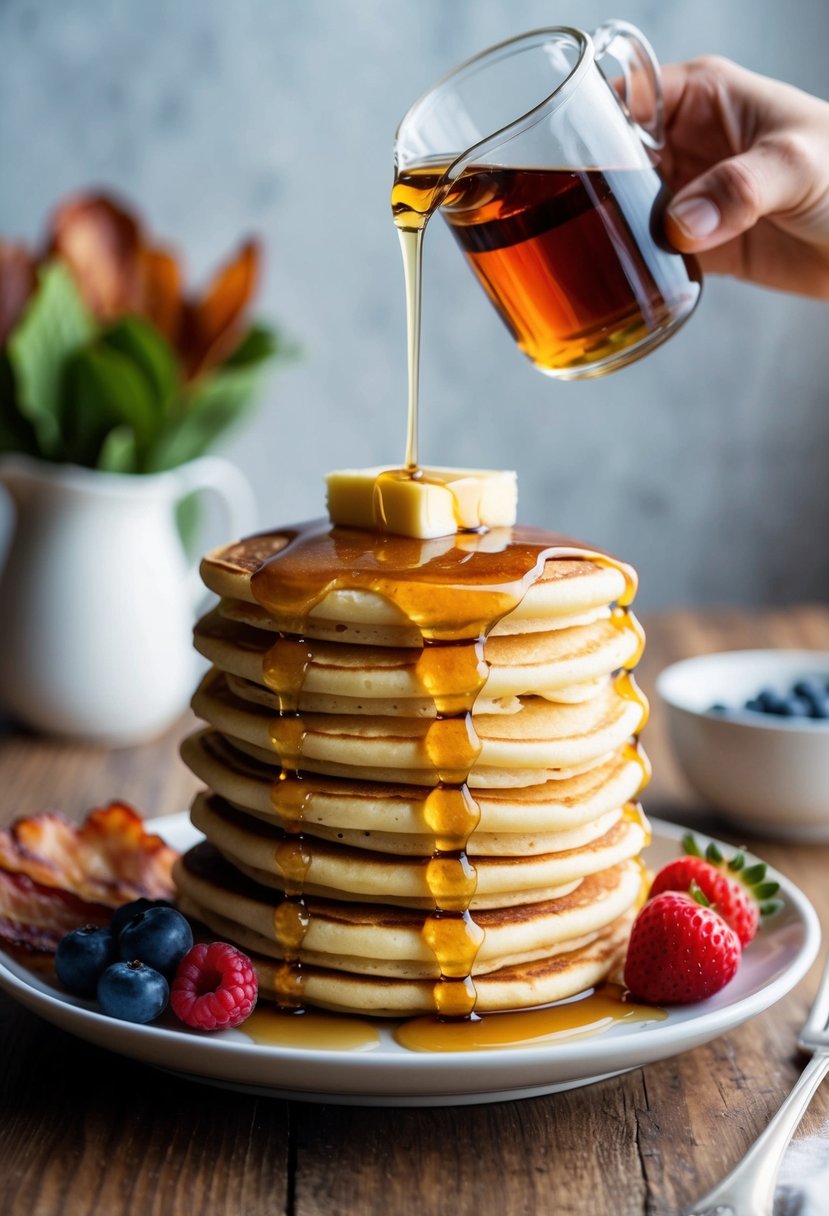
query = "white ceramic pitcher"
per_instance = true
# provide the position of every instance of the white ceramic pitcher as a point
(97, 598)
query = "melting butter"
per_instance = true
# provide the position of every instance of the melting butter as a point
(423, 503)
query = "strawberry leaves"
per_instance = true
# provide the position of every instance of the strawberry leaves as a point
(753, 877)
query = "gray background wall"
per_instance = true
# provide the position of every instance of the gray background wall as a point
(705, 464)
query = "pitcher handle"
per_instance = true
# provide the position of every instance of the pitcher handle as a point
(212, 474)
(642, 86)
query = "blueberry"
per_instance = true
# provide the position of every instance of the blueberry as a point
(718, 708)
(126, 912)
(795, 707)
(769, 702)
(159, 937)
(132, 992)
(820, 707)
(812, 690)
(81, 958)
(755, 705)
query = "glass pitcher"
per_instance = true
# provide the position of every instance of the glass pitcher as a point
(545, 169)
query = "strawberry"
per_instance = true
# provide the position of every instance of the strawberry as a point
(740, 893)
(680, 951)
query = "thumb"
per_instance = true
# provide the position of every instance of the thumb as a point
(730, 198)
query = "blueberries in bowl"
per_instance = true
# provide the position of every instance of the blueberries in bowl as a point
(804, 699)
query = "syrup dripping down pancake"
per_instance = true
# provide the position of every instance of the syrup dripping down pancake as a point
(566, 592)
(374, 939)
(384, 681)
(392, 818)
(363, 685)
(341, 872)
(541, 738)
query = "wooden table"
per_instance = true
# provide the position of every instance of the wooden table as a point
(83, 1131)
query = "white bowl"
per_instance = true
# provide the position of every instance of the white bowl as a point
(768, 775)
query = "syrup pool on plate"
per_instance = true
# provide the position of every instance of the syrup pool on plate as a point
(590, 1013)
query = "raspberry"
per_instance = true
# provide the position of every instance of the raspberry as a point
(215, 987)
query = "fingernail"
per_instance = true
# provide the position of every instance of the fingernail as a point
(697, 217)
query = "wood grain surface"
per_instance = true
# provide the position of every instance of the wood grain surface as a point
(86, 1132)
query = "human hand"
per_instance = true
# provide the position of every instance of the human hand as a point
(748, 158)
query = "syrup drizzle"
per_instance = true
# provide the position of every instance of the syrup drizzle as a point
(454, 591)
(284, 667)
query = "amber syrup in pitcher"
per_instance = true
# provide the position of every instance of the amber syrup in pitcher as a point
(571, 258)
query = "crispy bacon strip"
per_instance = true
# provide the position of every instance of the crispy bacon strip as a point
(55, 876)
(35, 917)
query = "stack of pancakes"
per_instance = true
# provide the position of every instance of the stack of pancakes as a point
(335, 854)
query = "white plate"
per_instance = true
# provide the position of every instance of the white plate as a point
(390, 1075)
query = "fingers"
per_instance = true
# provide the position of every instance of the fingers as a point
(732, 196)
(674, 78)
(700, 86)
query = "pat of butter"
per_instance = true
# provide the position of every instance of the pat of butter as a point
(424, 503)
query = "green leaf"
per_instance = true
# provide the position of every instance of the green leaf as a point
(765, 890)
(16, 432)
(257, 345)
(690, 846)
(753, 874)
(713, 854)
(118, 452)
(770, 907)
(737, 862)
(214, 403)
(54, 326)
(150, 352)
(696, 892)
(105, 390)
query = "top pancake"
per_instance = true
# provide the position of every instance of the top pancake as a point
(567, 592)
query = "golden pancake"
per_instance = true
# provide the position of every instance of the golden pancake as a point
(394, 818)
(341, 872)
(376, 940)
(363, 684)
(346, 678)
(553, 978)
(541, 738)
(566, 592)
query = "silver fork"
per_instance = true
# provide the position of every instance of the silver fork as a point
(749, 1189)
